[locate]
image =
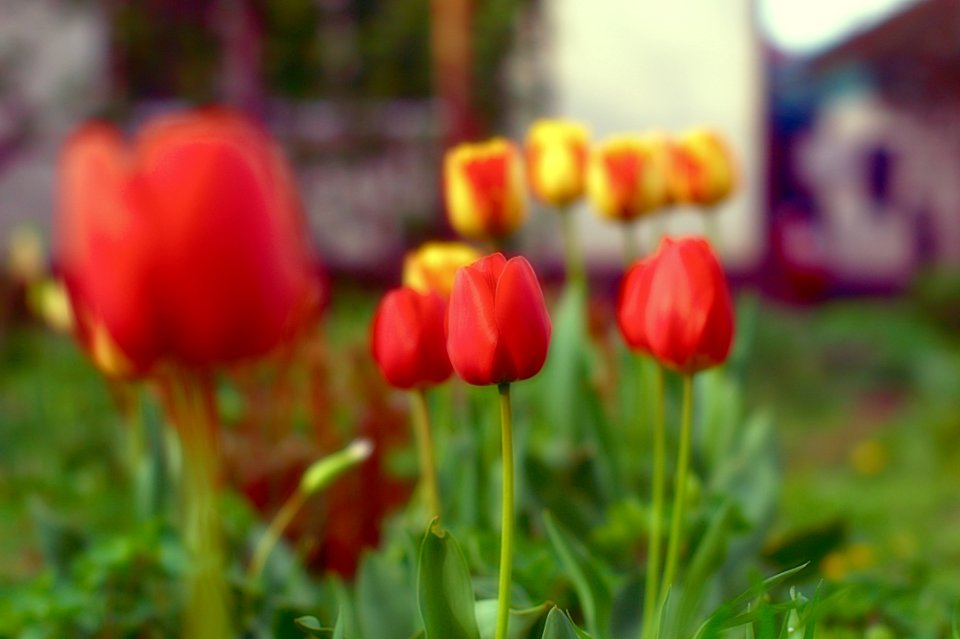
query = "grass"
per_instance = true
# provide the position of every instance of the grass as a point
(864, 393)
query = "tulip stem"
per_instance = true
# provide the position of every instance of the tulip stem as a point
(573, 253)
(278, 524)
(650, 595)
(506, 535)
(314, 479)
(631, 247)
(206, 613)
(711, 227)
(424, 437)
(683, 461)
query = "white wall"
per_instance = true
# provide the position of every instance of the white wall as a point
(622, 65)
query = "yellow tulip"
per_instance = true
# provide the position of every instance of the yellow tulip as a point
(433, 266)
(628, 176)
(702, 169)
(556, 154)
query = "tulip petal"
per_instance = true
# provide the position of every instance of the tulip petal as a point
(395, 338)
(632, 305)
(522, 321)
(471, 324)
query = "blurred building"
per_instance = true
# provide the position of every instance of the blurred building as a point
(848, 159)
(865, 152)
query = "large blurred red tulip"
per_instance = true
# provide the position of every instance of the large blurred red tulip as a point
(678, 302)
(187, 245)
(498, 329)
(407, 338)
(105, 252)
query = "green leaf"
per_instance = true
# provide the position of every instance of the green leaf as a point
(564, 367)
(311, 626)
(338, 630)
(347, 625)
(728, 615)
(559, 626)
(385, 600)
(60, 542)
(592, 586)
(521, 621)
(446, 598)
(706, 559)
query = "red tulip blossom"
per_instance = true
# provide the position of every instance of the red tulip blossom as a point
(498, 329)
(408, 338)
(187, 245)
(677, 306)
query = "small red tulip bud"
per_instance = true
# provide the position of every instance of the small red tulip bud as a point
(408, 338)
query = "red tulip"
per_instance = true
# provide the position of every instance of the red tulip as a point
(407, 338)
(678, 302)
(498, 329)
(188, 244)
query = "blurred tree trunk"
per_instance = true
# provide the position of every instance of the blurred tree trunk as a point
(452, 51)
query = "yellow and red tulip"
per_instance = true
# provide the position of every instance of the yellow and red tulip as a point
(628, 176)
(702, 170)
(484, 190)
(556, 154)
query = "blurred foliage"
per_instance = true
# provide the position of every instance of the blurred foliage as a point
(825, 453)
(304, 50)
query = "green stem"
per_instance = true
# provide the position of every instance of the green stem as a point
(506, 538)
(573, 254)
(272, 535)
(653, 556)
(424, 437)
(317, 477)
(206, 615)
(683, 461)
(631, 246)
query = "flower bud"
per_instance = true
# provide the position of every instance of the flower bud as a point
(556, 154)
(483, 187)
(498, 329)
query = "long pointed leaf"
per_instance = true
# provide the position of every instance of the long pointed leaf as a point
(559, 626)
(445, 593)
(591, 585)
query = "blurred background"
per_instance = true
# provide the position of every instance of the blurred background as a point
(844, 236)
(843, 114)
